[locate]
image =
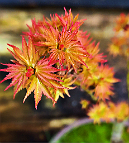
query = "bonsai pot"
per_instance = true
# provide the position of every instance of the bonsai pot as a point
(84, 130)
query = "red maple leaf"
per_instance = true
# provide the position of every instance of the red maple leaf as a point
(30, 72)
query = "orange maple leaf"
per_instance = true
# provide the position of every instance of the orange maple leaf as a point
(100, 77)
(63, 45)
(122, 22)
(59, 38)
(109, 111)
(31, 72)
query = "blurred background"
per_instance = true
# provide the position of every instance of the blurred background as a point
(22, 122)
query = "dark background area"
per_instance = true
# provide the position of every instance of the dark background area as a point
(70, 3)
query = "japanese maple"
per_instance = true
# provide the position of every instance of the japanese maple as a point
(59, 54)
(44, 65)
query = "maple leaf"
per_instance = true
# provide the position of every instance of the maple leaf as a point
(18, 71)
(86, 75)
(122, 22)
(102, 111)
(104, 80)
(114, 49)
(84, 103)
(68, 19)
(67, 82)
(56, 21)
(100, 77)
(64, 46)
(109, 111)
(31, 72)
(120, 110)
(42, 81)
(98, 112)
(58, 37)
(96, 57)
(118, 45)
(39, 88)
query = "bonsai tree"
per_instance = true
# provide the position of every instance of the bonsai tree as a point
(58, 54)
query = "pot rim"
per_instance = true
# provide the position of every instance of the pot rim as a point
(76, 124)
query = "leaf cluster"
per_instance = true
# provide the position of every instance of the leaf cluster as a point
(57, 56)
(120, 41)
